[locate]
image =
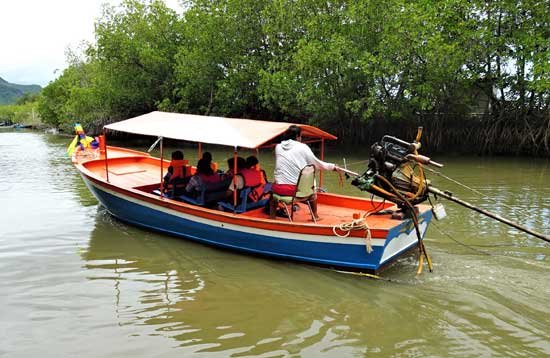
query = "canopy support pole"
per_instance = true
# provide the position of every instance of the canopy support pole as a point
(323, 159)
(200, 150)
(161, 161)
(106, 162)
(235, 180)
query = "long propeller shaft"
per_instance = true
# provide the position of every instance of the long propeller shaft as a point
(452, 198)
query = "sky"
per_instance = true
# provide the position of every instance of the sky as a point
(35, 34)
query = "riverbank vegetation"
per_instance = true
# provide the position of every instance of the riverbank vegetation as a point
(475, 74)
(23, 111)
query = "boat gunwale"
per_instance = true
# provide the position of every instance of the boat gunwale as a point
(309, 228)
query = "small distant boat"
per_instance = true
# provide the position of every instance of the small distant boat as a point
(53, 131)
(126, 182)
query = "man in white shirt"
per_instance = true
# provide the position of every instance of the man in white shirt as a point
(291, 156)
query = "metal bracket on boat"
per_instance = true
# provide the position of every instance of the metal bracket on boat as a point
(154, 145)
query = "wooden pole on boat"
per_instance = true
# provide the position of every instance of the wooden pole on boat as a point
(323, 159)
(106, 162)
(235, 180)
(450, 197)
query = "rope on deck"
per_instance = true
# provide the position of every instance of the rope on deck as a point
(344, 230)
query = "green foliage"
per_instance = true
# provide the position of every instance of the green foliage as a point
(127, 72)
(27, 98)
(335, 63)
(135, 50)
(21, 113)
(7, 114)
(218, 65)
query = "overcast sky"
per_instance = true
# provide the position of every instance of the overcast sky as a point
(34, 35)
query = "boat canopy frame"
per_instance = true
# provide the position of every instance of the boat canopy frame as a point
(234, 132)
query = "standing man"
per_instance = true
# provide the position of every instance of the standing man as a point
(291, 156)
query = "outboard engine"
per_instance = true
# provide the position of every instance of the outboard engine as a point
(395, 172)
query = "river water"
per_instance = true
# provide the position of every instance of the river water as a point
(76, 282)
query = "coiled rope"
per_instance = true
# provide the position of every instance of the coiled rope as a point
(343, 230)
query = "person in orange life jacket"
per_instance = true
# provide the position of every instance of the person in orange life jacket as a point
(208, 157)
(241, 164)
(291, 156)
(176, 171)
(253, 176)
(204, 175)
(250, 176)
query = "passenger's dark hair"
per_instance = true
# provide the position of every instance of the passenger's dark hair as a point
(203, 167)
(251, 161)
(293, 132)
(207, 156)
(241, 163)
(177, 155)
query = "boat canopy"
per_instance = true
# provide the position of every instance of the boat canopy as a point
(233, 132)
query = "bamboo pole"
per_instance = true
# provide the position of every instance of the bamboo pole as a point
(497, 217)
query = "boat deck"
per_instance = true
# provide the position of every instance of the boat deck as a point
(138, 171)
(330, 215)
(128, 169)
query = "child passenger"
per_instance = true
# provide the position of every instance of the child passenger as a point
(241, 164)
(177, 171)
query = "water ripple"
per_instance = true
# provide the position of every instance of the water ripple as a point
(67, 268)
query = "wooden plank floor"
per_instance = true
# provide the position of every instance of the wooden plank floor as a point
(330, 215)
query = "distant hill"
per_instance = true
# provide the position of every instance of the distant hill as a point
(10, 92)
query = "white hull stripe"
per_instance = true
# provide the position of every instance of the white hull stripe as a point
(239, 228)
(402, 243)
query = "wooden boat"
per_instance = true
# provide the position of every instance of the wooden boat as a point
(126, 182)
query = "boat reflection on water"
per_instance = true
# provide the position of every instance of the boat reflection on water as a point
(208, 301)
(212, 300)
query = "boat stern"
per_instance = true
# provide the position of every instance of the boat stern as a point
(403, 237)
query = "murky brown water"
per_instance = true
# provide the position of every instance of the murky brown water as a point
(76, 282)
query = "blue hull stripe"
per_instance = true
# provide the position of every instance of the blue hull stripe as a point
(321, 253)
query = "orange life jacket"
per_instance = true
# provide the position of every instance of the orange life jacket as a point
(256, 181)
(252, 177)
(179, 168)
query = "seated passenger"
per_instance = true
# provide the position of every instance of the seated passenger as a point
(250, 176)
(177, 172)
(241, 164)
(204, 176)
(254, 177)
(208, 157)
